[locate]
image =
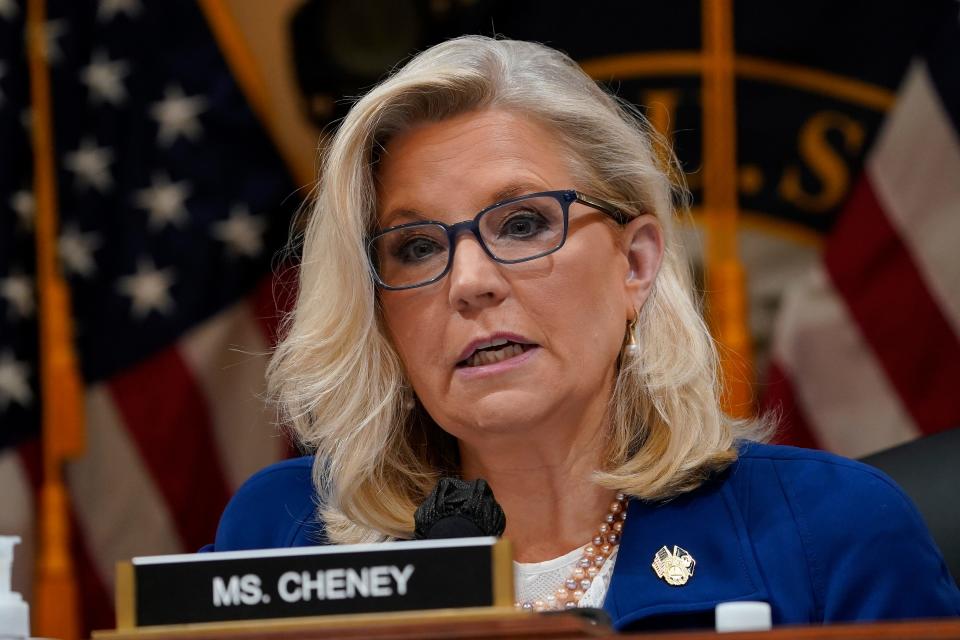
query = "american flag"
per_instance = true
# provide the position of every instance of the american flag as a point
(866, 353)
(172, 204)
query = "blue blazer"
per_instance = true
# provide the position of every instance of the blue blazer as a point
(819, 537)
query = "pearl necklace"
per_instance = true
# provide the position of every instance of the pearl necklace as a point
(595, 554)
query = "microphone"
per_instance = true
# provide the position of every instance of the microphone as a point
(458, 509)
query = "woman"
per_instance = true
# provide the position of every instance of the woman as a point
(492, 287)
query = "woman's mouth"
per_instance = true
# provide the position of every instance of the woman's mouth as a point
(498, 352)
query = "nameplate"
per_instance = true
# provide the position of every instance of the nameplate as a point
(312, 581)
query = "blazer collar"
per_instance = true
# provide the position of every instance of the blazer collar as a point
(708, 524)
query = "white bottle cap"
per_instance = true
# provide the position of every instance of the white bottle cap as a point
(14, 612)
(743, 616)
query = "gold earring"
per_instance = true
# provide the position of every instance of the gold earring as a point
(632, 349)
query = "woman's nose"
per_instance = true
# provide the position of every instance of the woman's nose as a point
(475, 279)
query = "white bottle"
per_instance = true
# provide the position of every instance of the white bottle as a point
(14, 612)
(743, 616)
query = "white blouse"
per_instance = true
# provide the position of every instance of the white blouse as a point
(540, 580)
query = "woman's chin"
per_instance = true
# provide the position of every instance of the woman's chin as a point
(510, 413)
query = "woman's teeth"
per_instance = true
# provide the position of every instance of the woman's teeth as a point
(489, 356)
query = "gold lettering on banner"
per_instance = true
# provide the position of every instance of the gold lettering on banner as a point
(826, 163)
(661, 107)
(750, 179)
(661, 111)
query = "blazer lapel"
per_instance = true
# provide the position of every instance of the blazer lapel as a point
(707, 524)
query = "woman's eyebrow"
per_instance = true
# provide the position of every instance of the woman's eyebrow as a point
(407, 215)
(504, 193)
(513, 190)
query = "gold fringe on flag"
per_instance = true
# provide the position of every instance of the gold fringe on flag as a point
(55, 610)
(243, 65)
(725, 276)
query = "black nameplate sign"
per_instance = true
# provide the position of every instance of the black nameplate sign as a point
(345, 579)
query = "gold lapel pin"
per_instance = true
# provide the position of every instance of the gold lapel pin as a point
(673, 567)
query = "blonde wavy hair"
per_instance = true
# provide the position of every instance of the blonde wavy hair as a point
(339, 382)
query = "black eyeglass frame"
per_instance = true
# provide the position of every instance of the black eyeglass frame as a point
(565, 197)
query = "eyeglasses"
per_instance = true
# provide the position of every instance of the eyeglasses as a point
(516, 230)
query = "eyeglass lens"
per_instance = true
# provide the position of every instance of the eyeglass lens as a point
(517, 231)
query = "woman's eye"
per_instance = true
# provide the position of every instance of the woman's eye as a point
(523, 225)
(417, 249)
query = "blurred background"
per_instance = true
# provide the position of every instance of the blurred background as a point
(153, 153)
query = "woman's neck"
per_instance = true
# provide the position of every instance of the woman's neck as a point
(546, 491)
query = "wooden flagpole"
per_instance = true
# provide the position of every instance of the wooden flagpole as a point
(725, 276)
(56, 611)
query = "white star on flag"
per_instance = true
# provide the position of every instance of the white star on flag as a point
(148, 289)
(77, 249)
(104, 79)
(108, 9)
(24, 206)
(17, 290)
(13, 382)
(241, 232)
(8, 9)
(90, 165)
(177, 114)
(164, 201)
(52, 30)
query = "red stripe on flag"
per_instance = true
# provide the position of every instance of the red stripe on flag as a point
(273, 297)
(30, 453)
(96, 603)
(779, 399)
(887, 296)
(168, 418)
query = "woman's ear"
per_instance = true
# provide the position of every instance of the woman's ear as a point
(643, 246)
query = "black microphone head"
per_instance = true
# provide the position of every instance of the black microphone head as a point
(458, 509)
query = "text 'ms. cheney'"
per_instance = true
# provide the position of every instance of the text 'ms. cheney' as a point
(380, 581)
